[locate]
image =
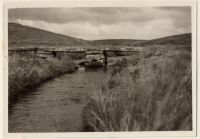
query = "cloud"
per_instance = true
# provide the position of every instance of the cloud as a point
(107, 22)
(64, 15)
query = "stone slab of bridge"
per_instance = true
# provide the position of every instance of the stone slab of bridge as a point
(74, 49)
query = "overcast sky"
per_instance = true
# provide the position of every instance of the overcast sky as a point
(107, 23)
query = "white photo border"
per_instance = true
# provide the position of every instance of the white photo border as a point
(7, 4)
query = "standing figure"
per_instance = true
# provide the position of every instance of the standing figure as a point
(105, 58)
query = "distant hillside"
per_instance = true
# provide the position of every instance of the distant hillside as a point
(20, 35)
(182, 39)
(115, 42)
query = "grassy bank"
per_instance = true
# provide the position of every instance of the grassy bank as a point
(151, 92)
(26, 71)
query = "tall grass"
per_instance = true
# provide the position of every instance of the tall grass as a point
(156, 95)
(28, 71)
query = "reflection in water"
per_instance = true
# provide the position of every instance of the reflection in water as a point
(56, 105)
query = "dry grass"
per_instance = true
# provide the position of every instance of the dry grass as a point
(27, 71)
(154, 96)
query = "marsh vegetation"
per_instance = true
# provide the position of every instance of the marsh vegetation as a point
(152, 92)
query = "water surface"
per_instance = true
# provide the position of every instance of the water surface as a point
(57, 105)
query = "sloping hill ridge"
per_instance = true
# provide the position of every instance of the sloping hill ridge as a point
(21, 35)
(25, 36)
(181, 39)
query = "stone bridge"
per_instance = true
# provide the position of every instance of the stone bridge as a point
(82, 52)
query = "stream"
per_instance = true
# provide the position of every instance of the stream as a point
(57, 105)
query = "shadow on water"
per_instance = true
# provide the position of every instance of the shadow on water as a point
(104, 69)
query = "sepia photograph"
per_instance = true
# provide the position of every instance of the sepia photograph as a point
(100, 69)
